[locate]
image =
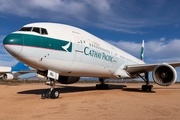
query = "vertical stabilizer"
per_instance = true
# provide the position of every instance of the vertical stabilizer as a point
(142, 52)
(20, 66)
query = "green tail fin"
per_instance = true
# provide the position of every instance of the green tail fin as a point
(142, 52)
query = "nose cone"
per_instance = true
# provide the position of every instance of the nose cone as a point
(13, 43)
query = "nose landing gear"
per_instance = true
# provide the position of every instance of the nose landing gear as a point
(52, 92)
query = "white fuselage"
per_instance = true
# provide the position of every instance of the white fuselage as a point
(69, 51)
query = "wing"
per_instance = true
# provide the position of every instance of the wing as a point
(26, 71)
(19, 72)
(142, 68)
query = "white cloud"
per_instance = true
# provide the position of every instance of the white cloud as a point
(130, 47)
(8, 63)
(2, 37)
(5, 58)
(164, 60)
(125, 16)
(2, 50)
(4, 55)
(162, 39)
(155, 51)
(163, 49)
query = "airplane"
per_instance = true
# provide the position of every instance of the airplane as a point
(66, 53)
(12, 73)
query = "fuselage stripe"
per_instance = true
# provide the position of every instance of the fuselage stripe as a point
(37, 41)
(34, 47)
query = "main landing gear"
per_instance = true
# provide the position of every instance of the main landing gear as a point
(146, 79)
(102, 85)
(52, 92)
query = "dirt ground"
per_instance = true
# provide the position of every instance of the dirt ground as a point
(82, 101)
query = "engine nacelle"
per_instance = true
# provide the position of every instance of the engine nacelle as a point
(9, 76)
(68, 79)
(164, 75)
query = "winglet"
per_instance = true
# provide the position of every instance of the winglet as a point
(142, 52)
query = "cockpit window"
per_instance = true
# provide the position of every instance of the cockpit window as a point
(35, 29)
(43, 31)
(26, 29)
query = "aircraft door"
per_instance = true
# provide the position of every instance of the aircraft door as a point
(79, 49)
(114, 60)
(78, 42)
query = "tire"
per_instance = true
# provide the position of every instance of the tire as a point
(106, 86)
(102, 86)
(98, 87)
(55, 94)
(150, 87)
(144, 87)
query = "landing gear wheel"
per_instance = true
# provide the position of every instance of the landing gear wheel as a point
(54, 93)
(144, 87)
(106, 86)
(147, 87)
(102, 86)
(150, 87)
(98, 87)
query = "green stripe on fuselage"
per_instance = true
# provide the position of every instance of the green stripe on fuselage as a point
(40, 41)
(16, 39)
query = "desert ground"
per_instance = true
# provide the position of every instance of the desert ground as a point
(81, 101)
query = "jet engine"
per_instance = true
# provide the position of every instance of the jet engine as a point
(68, 79)
(164, 75)
(9, 76)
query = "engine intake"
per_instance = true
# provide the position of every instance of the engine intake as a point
(9, 76)
(164, 75)
(68, 79)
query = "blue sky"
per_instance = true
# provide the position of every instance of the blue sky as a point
(122, 23)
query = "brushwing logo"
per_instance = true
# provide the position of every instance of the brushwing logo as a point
(67, 47)
(142, 52)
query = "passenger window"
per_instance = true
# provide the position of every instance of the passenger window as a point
(43, 31)
(26, 29)
(36, 30)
